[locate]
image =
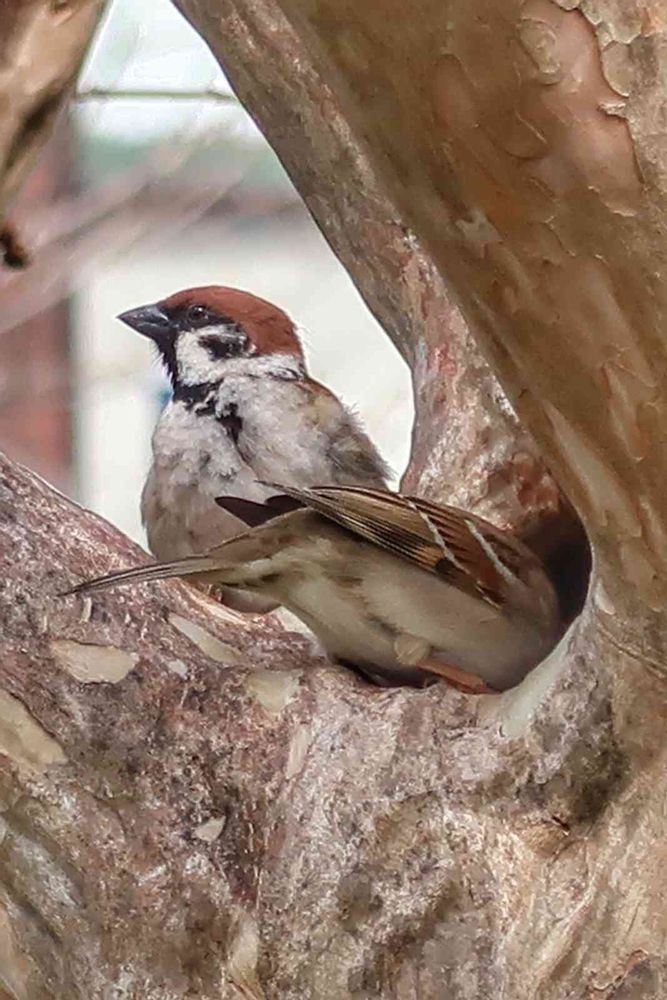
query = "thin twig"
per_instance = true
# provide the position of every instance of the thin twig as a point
(150, 94)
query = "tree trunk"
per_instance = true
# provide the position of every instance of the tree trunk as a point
(192, 806)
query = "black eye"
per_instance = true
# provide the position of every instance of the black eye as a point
(198, 315)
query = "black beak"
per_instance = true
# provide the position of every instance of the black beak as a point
(150, 321)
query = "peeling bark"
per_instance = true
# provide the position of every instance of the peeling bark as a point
(193, 805)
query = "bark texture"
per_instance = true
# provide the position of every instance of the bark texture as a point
(193, 806)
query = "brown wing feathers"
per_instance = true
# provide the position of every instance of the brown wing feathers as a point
(462, 549)
(365, 513)
(436, 538)
(460, 537)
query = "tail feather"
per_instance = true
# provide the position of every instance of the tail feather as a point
(144, 574)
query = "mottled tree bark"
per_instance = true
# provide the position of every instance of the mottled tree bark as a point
(192, 805)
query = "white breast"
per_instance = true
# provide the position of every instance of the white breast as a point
(282, 437)
(194, 461)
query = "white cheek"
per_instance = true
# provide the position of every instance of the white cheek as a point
(195, 364)
(194, 361)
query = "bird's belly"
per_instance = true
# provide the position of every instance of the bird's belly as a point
(178, 502)
(385, 601)
(183, 521)
(460, 630)
(182, 517)
(341, 625)
(194, 461)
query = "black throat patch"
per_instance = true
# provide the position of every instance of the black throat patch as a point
(200, 398)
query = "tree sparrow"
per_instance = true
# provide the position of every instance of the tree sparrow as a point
(393, 586)
(244, 409)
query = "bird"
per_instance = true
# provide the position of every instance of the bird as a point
(398, 588)
(244, 409)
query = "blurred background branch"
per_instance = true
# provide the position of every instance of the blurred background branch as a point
(43, 44)
(151, 94)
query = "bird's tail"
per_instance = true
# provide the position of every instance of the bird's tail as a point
(191, 565)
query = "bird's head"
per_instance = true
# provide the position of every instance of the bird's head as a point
(200, 331)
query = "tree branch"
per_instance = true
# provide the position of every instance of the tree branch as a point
(193, 804)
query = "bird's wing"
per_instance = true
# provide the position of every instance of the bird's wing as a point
(253, 513)
(466, 551)
(351, 453)
(189, 566)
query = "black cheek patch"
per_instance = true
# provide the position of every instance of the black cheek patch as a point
(224, 346)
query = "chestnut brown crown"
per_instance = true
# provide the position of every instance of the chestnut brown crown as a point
(227, 322)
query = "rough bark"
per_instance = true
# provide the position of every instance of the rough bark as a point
(178, 825)
(192, 806)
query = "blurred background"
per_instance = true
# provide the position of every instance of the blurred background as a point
(141, 193)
